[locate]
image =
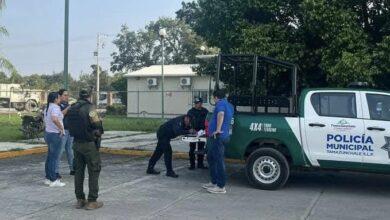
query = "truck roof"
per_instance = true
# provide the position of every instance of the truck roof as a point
(344, 89)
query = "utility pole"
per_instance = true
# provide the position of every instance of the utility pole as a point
(163, 34)
(97, 71)
(66, 44)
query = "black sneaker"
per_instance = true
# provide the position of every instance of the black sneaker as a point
(72, 173)
(152, 171)
(172, 174)
(191, 167)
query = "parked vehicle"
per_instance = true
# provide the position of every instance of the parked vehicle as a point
(13, 95)
(325, 128)
(32, 124)
(108, 99)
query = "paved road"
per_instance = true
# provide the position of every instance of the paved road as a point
(111, 139)
(130, 194)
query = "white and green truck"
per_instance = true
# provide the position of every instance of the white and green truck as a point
(324, 128)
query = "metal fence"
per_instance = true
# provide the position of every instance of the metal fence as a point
(129, 103)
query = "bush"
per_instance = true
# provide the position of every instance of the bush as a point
(116, 109)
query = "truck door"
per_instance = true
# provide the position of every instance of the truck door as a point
(376, 111)
(334, 128)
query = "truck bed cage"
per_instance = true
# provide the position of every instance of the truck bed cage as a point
(257, 103)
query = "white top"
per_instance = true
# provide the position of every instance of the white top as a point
(55, 111)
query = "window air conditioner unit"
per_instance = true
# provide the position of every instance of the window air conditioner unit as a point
(151, 82)
(185, 81)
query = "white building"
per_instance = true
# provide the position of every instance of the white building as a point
(181, 86)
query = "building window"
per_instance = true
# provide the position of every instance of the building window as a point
(201, 94)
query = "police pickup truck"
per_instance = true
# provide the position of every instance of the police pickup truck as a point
(342, 129)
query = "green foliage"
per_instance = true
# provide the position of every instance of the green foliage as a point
(141, 48)
(5, 64)
(12, 133)
(88, 80)
(110, 123)
(333, 42)
(121, 123)
(119, 83)
(116, 109)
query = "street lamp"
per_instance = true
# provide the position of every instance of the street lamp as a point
(163, 33)
(96, 54)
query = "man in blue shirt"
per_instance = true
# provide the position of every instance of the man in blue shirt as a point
(219, 127)
(67, 140)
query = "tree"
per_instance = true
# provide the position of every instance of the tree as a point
(5, 64)
(34, 81)
(15, 78)
(141, 48)
(3, 77)
(137, 49)
(88, 80)
(119, 83)
(333, 42)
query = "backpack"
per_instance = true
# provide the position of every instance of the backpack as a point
(78, 123)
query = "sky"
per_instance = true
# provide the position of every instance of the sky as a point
(36, 31)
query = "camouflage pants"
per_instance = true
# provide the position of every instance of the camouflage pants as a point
(86, 155)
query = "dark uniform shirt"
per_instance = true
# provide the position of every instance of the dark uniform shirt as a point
(89, 124)
(198, 117)
(63, 106)
(173, 128)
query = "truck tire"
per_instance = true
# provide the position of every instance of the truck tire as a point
(267, 169)
(19, 106)
(31, 105)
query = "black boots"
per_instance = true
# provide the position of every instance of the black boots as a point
(172, 174)
(152, 171)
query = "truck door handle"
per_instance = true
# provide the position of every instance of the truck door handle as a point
(375, 129)
(316, 125)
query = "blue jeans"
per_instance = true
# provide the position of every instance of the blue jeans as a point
(215, 159)
(53, 141)
(66, 144)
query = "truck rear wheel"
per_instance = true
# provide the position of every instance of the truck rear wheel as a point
(19, 106)
(267, 169)
(31, 105)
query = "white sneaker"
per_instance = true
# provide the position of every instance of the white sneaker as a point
(217, 190)
(47, 182)
(208, 185)
(57, 183)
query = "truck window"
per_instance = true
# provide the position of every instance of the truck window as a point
(379, 106)
(334, 104)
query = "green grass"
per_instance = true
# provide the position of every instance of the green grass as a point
(9, 128)
(121, 123)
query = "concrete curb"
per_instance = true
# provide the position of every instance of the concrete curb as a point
(129, 152)
(18, 153)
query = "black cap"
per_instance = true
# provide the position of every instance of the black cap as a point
(84, 94)
(198, 100)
